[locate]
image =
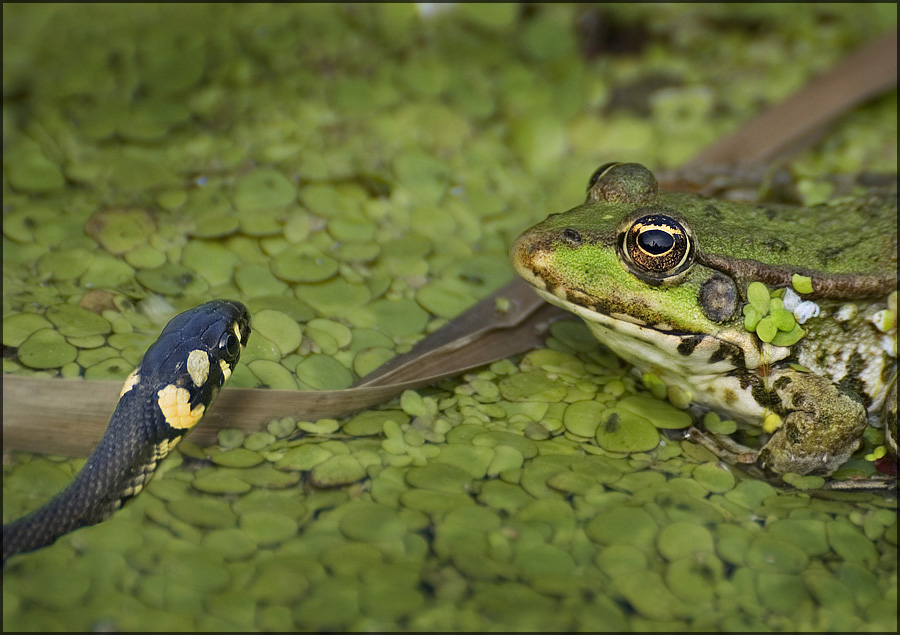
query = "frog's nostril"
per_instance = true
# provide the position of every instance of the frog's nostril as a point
(572, 236)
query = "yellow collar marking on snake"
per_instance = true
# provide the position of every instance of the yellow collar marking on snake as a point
(131, 381)
(198, 367)
(175, 404)
(226, 370)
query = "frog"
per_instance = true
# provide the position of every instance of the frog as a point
(664, 279)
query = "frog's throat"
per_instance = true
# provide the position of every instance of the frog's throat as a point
(646, 345)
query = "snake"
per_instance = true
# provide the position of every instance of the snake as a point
(163, 398)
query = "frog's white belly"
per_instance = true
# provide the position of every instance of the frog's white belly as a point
(709, 384)
(712, 382)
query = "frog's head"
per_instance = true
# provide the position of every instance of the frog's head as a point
(627, 253)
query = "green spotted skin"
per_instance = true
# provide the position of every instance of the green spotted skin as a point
(166, 395)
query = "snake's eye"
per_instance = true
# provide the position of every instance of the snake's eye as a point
(230, 344)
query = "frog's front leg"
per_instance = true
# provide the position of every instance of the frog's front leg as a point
(822, 427)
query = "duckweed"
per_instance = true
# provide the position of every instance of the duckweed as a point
(351, 221)
(263, 189)
(64, 264)
(44, 584)
(172, 280)
(714, 477)
(17, 328)
(303, 264)
(321, 372)
(441, 477)
(202, 512)
(850, 544)
(622, 525)
(34, 172)
(337, 470)
(273, 375)
(235, 457)
(768, 555)
(275, 429)
(266, 528)
(46, 348)
(474, 460)
(221, 484)
(531, 386)
(371, 523)
(621, 430)
(583, 417)
(683, 540)
(807, 534)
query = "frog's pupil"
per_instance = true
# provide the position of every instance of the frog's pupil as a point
(655, 241)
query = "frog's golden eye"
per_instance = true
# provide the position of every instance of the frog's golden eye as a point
(656, 247)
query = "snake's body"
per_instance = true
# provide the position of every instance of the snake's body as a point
(166, 395)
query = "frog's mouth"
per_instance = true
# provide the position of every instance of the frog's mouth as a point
(664, 345)
(576, 301)
(592, 312)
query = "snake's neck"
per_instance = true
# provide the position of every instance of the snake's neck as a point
(117, 469)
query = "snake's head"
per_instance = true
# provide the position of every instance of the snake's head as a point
(193, 358)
